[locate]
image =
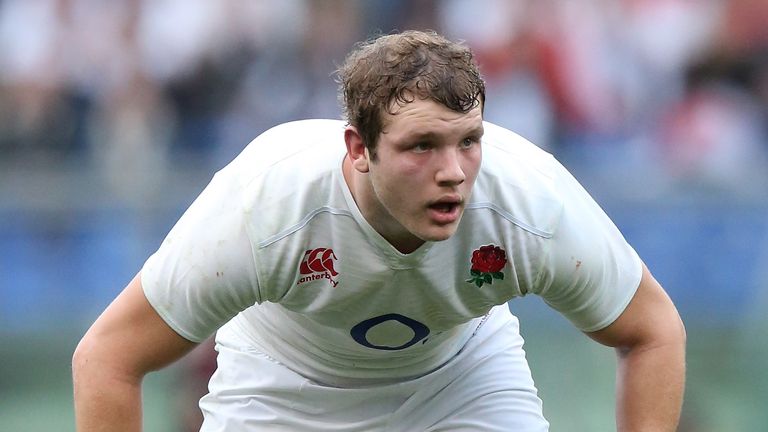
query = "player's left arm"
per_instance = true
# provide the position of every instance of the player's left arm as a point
(649, 338)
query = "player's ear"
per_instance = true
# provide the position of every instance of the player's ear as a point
(356, 149)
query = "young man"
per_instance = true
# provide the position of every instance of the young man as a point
(364, 288)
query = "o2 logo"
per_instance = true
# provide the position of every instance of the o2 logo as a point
(360, 332)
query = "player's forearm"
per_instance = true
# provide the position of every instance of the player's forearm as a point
(104, 401)
(651, 383)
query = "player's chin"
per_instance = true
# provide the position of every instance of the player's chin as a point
(440, 232)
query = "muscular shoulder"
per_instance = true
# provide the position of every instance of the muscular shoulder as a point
(288, 173)
(297, 148)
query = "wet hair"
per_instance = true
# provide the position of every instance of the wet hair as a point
(389, 71)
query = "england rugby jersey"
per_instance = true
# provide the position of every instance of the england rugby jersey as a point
(277, 242)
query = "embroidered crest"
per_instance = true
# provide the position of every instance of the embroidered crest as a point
(487, 265)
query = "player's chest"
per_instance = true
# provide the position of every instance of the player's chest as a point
(450, 283)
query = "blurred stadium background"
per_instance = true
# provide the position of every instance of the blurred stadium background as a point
(114, 115)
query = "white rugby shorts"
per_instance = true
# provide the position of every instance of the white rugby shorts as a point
(486, 387)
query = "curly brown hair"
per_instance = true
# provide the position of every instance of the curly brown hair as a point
(389, 71)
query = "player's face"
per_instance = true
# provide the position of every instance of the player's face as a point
(427, 159)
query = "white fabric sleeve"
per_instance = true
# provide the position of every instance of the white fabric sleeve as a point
(204, 273)
(589, 273)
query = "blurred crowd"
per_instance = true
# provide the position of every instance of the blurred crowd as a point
(677, 87)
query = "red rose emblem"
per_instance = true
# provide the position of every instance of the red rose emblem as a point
(487, 265)
(489, 259)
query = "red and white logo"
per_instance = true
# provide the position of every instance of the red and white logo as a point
(318, 264)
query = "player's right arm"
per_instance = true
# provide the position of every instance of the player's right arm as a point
(125, 343)
(202, 275)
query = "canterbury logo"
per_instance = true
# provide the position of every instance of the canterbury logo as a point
(318, 264)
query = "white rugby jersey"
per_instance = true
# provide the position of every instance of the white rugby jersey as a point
(277, 242)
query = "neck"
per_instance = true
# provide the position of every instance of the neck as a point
(375, 214)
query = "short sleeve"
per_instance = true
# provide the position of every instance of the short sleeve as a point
(204, 272)
(589, 272)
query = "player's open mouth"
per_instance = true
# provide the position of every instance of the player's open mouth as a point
(444, 207)
(445, 212)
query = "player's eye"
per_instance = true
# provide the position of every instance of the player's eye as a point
(420, 147)
(468, 142)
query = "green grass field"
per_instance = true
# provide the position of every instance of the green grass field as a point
(727, 381)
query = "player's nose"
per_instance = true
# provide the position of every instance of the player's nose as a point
(449, 171)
